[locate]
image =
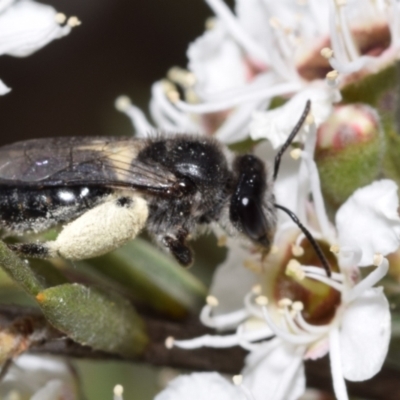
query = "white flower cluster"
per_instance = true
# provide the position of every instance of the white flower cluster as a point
(26, 26)
(296, 50)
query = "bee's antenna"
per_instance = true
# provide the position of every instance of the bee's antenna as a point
(290, 138)
(317, 248)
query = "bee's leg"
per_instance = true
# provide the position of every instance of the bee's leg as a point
(98, 231)
(176, 244)
(32, 250)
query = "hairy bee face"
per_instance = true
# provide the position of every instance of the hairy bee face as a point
(169, 185)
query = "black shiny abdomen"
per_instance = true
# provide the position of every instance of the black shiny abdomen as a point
(36, 209)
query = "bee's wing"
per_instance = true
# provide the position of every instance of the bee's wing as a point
(81, 161)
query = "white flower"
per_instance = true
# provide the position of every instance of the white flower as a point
(39, 378)
(26, 26)
(297, 310)
(276, 125)
(203, 386)
(267, 49)
(4, 89)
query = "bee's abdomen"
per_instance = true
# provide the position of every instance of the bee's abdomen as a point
(24, 209)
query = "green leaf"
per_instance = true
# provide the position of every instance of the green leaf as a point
(102, 320)
(153, 277)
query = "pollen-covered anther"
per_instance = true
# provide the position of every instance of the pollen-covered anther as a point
(332, 77)
(212, 301)
(256, 289)
(327, 53)
(297, 306)
(334, 249)
(173, 96)
(285, 302)
(118, 390)
(294, 270)
(261, 300)
(170, 90)
(169, 342)
(237, 379)
(297, 250)
(378, 258)
(296, 153)
(181, 76)
(74, 21)
(122, 103)
(210, 23)
(60, 18)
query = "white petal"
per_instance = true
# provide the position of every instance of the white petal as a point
(368, 220)
(200, 386)
(54, 389)
(275, 371)
(232, 281)
(27, 26)
(365, 335)
(276, 125)
(4, 89)
(217, 62)
(32, 372)
(5, 4)
(252, 15)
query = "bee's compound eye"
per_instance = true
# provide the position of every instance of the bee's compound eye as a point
(253, 221)
(246, 211)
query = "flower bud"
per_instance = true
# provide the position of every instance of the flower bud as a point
(349, 151)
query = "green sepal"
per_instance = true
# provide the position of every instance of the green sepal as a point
(342, 172)
(381, 90)
(91, 316)
(154, 278)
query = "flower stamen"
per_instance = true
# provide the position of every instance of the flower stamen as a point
(294, 270)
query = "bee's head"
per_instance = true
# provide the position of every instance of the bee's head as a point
(252, 209)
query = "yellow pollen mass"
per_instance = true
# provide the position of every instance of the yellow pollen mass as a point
(296, 153)
(261, 300)
(297, 306)
(332, 75)
(169, 342)
(118, 390)
(212, 301)
(297, 250)
(237, 379)
(334, 249)
(285, 302)
(326, 52)
(60, 18)
(256, 289)
(122, 103)
(294, 270)
(378, 258)
(73, 21)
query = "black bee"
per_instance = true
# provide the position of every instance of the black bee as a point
(105, 190)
